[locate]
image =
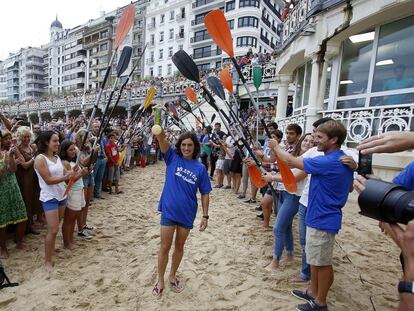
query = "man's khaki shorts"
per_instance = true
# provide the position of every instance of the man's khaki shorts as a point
(319, 247)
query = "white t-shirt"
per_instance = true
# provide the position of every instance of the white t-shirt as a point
(229, 143)
(313, 153)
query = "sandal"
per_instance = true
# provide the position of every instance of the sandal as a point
(157, 292)
(176, 286)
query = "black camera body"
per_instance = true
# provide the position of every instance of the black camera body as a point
(386, 202)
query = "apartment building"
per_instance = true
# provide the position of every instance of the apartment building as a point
(3, 83)
(167, 25)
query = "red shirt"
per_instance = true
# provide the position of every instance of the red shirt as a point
(112, 153)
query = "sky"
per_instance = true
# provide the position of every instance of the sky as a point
(26, 23)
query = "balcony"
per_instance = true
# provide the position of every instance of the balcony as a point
(272, 7)
(264, 39)
(149, 61)
(197, 22)
(205, 4)
(200, 39)
(151, 26)
(210, 53)
(179, 36)
(266, 21)
(180, 17)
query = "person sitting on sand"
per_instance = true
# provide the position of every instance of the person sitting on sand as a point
(185, 175)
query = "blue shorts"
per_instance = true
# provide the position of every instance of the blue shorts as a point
(52, 204)
(88, 180)
(171, 223)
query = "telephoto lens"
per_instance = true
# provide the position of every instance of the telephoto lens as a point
(386, 202)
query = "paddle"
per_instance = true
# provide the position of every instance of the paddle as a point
(191, 95)
(227, 82)
(123, 64)
(212, 118)
(121, 67)
(186, 106)
(257, 81)
(156, 129)
(219, 31)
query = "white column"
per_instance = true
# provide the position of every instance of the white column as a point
(315, 104)
(282, 96)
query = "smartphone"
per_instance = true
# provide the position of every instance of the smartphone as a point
(364, 164)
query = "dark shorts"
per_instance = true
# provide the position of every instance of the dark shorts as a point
(171, 223)
(52, 204)
(236, 165)
(226, 166)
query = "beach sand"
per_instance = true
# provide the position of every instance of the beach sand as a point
(222, 269)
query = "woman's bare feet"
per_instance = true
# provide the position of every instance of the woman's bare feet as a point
(70, 246)
(49, 266)
(274, 265)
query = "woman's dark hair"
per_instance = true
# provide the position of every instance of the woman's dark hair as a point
(44, 139)
(298, 148)
(196, 143)
(63, 150)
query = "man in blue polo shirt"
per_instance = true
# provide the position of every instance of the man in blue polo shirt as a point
(330, 184)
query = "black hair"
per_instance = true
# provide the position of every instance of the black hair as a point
(294, 127)
(44, 139)
(193, 137)
(273, 124)
(321, 121)
(63, 150)
(209, 129)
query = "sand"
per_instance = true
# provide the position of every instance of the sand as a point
(222, 269)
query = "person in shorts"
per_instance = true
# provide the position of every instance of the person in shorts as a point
(329, 187)
(114, 173)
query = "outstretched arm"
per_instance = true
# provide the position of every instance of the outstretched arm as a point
(292, 161)
(162, 140)
(392, 141)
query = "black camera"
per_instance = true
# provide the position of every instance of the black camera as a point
(386, 202)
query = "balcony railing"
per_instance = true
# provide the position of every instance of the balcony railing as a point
(151, 26)
(296, 19)
(268, 70)
(179, 36)
(264, 39)
(266, 21)
(200, 3)
(207, 54)
(179, 17)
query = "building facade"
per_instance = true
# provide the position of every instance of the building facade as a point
(3, 83)
(166, 32)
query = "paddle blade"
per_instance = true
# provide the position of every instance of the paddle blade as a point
(257, 76)
(191, 95)
(288, 179)
(124, 60)
(256, 177)
(219, 31)
(150, 96)
(212, 118)
(216, 86)
(185, 105)
(71, 181)
(186, 66)
(226, 80)
(124, 25)
(172, 109)
(122, 156)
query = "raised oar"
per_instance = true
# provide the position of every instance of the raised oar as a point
(186, 106)
(123, 64)
(257, 81)
(173, 112)
(256, 177)
(219, 31)
(147, 103)
(191, 95)
(122, 89)
(227, 82)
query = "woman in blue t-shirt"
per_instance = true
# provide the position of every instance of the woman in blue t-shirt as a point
(185, 175)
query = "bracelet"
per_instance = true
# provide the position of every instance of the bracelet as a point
(206, 216)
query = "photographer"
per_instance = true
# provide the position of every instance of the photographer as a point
(404, 238)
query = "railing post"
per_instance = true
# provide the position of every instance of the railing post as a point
(282, 96)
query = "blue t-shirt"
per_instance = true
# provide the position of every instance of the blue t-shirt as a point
(328, 191)
(183, 178)
(406, 177)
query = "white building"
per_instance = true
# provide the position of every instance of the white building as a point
(3, 83)
(253, 24)
(167, 25)
(25, 74)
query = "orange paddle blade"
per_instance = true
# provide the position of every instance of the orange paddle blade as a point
(289, 181)
(219, 31)
(226, 79)
(71, 181)
(124, 25)
(256, 177)
(150, 95)
(191, 95)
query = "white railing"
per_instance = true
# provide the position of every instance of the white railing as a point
(366, 122)
(298, 119)
(296, 19)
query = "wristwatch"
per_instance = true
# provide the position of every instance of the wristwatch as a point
(206, 216)
(406, 287)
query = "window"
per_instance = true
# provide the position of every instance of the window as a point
(161, 54)
(104, 34)
(170, 51)
(247, 41)
(162, 18)
(152, 39)
(231, 23)
(152, 56)
(248, 21)
(151, 71)
(159, 71)
(172, 15)
(230, 6)
(103, 47)
(182, 12)
(171, 34)
(169, 69)
(202, 67)
(202, 52)
(303, 77)
(247, 3)
(218, 65)
(180, 47)
(201, 35)
(161, 36)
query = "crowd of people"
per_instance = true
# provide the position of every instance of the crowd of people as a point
(38, 162)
